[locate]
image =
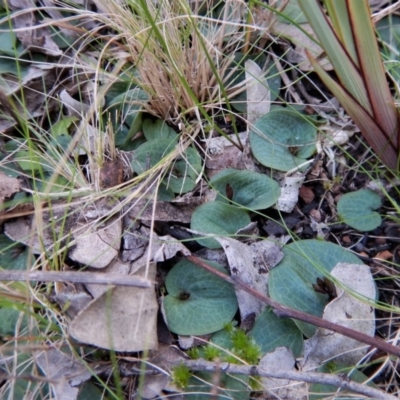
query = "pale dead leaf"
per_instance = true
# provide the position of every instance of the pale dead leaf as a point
(75, 107)
(58, 224)
(290, 188)
(186, 342)
(163, 359)
(165, 211)
(162, 247)
(250, 264)
(134, 241)
(34, 38)
(347, 311)
(24, 231)
(20, 4)
(214, 255)
(223, 154)
(337, 137)
(36, 101)
(8, 186)
(301, 42)
(34, 73)
(153, 386)
(169, 248)
(282, 359)
(72, 299)
(258, 93)
(64, 373)
(97, 247)
(123, 318)
(116, 267)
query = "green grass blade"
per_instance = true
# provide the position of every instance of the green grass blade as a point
(340, 59)
(373, 71)
(365, 121)
(338, 13)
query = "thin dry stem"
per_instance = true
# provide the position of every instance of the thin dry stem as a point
(310, 377)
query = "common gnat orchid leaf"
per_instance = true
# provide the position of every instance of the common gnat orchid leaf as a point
(198, 302)
(219, 219)
(290, 282)
(270, 331)
(249, 189)
(357, 209)
(282, 139)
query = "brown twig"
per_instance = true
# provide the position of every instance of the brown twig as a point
(76, 277)
(310, 377)
(283, 311)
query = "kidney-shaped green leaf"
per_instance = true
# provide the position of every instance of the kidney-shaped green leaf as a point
(290, 283)
(230, 386)
(184, 172)
(151, 153)
(182, 175)
(356, 210)
(320, 391)
(249, 189)
(198, 302)
(220, 219)
(282, 139)
(13, 255)
(270, 331)
(157, 130)
(125, 111)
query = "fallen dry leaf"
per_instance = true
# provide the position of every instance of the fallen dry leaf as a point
(134, 241)
(8, 187)
(123, 318)
(251, 264)
(71, 299)
(282, 359)
(33, 38)
(111, 173)
(165, 211)
(258, 93)
(289, 197)
(115, 267)
(223, 154)
(344, 310)
(23, 230)
(99, 246)
(63, 219)
(301, 41)
(64, 372)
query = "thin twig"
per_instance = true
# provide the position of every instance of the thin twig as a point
(283, 311)
(76, 277)
(310, 377)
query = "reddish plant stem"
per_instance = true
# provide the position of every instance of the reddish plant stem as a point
(286, 312)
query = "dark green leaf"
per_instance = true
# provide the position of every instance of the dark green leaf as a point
(198, 302)
(219, 219)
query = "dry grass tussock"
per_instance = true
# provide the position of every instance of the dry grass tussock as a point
(181, 59)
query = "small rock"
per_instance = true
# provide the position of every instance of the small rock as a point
(306, 194)
(384, 255)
